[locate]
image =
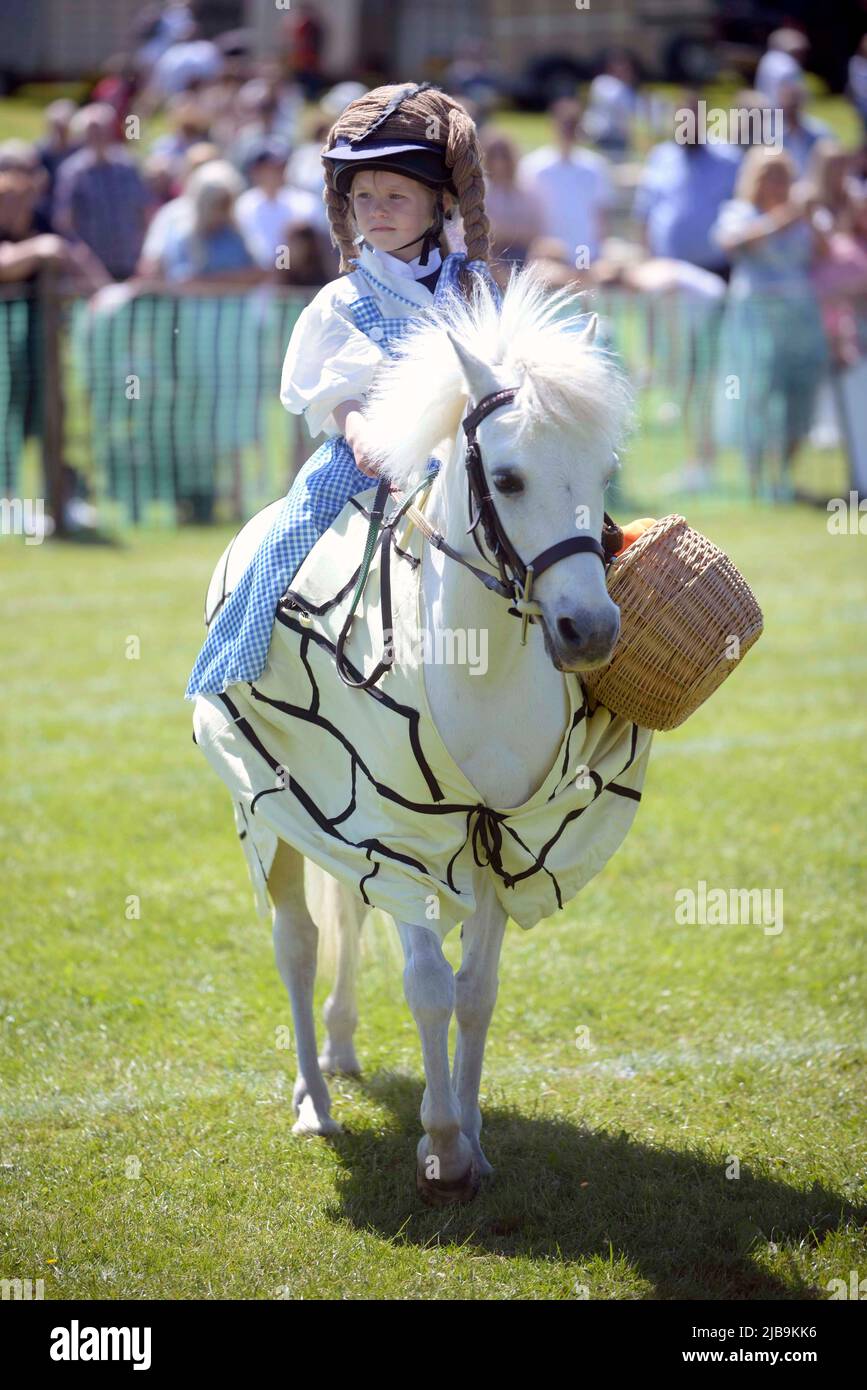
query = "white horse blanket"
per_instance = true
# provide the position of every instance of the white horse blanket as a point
(361, 782)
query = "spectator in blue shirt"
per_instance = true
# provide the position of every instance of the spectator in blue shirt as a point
(100, 197)
(207, 242)
(678, 197)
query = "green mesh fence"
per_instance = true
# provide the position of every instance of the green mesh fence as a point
(182, 396)
(21, 379)
(171, 407)
(720, 390)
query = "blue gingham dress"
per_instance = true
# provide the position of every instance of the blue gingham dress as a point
(237, 644)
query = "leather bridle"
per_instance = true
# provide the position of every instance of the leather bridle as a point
(516, 577)
(515, 581)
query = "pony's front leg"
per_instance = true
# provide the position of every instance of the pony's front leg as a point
(445, 1168)
(476, 981)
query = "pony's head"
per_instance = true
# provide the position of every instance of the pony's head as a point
(547, 456)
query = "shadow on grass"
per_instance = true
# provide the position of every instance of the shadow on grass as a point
(562, 1192)
(87, 536)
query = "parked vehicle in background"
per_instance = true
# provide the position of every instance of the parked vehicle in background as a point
(537, 52)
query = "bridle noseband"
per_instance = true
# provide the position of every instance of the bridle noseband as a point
(515, 580)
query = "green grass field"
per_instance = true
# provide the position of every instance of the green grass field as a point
(146, 1148)
(146, 1145)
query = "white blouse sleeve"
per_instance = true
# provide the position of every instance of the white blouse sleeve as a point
(328, 361)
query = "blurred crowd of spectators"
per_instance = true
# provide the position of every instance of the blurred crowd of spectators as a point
(231, 196)
(761, 249)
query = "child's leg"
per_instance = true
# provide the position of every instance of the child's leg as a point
(236, 646)
(320, 492)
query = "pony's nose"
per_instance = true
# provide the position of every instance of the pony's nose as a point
(586, 639)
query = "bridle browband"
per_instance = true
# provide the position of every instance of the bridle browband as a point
(515, 580)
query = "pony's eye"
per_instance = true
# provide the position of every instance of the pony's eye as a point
(507, 482)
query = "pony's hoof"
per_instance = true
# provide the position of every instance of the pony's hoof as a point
(486, 1169)
(442, 1192)
(339, 1064)
(311, 1121)
(322, 1126)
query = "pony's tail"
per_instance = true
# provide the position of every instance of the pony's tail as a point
(348, 931)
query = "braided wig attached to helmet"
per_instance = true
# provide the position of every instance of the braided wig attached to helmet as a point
(419, 115)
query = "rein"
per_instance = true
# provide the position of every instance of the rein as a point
(515, 580)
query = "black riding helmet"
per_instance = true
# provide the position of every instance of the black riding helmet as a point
(421, 160)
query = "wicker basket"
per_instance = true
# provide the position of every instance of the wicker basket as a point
(681, 602)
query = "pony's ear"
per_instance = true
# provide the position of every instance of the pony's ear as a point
(479, 377)
(588, 334)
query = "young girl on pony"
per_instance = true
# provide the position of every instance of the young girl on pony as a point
(398, 162)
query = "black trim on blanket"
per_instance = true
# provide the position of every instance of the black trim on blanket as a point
(484, 824)
(624, 791)
(292, 599)
(252, 842)
(412, 716)
(577, 717)
(313, 810)
(374, 871)
(542, 865)
(314, 701)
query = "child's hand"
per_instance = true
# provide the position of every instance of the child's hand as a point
(359, 442)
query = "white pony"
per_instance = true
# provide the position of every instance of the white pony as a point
(547, 454)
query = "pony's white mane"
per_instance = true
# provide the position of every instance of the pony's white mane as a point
(419, 397)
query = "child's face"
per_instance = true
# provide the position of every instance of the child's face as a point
(391, 209)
